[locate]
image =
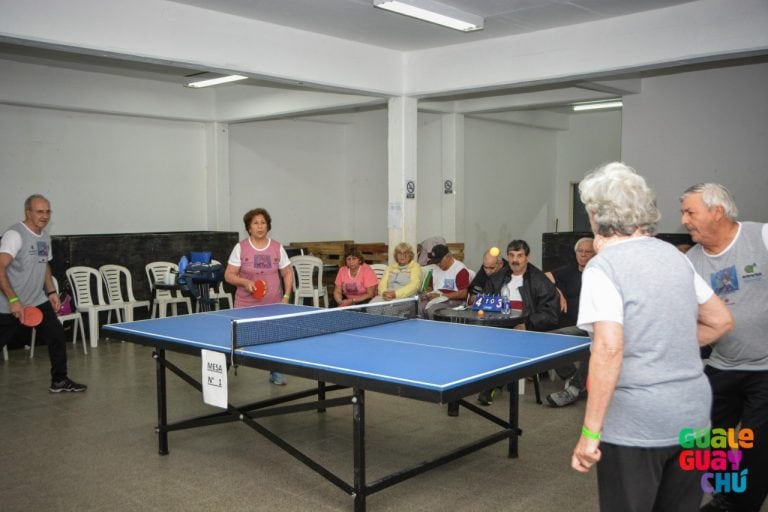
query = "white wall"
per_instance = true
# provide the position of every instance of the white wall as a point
(509, 175)
(321, 178)
(701, 126)
(429, 180)
(324, 177)
(102, 173)
(591, 140)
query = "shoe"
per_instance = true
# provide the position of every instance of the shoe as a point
(719, 503)
(68, 386)
(486, 397)
(277, 379)
(453, 409)
(565, 397)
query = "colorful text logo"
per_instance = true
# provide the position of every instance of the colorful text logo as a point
(718, 453)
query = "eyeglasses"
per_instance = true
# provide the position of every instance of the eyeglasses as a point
(580, 251)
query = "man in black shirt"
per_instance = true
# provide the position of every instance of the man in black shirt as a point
(568, 282)
(491, 277)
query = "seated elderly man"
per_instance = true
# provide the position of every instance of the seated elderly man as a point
(402, 278)
(449, 284)
(568, 282)
(491, 278)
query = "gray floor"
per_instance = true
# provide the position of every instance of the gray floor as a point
(96, 451)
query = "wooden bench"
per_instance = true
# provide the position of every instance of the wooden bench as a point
(373, 252)
(457, 249)
(331, 252)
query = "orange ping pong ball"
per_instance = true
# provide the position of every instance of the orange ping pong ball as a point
(494, 251)
(480, 313)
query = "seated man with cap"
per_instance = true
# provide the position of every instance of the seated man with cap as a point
(449, 283)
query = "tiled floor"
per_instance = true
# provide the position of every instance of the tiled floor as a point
(97, 451)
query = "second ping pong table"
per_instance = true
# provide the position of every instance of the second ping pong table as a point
(419, 359)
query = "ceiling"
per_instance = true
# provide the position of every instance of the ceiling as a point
(358, 20)
(355, 20)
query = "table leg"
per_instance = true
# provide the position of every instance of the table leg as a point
(320, 394)
(358, 427)
(162, 405)
(514, 419)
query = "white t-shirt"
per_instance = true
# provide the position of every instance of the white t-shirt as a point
(599, 294)
(234, 257)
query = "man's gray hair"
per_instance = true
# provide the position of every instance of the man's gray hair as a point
(619, 201)
(28, 201)
(715, 194)
(581, 241)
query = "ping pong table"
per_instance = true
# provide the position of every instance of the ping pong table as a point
(425, 360)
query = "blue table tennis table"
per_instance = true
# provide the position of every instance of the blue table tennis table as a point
(431, 361)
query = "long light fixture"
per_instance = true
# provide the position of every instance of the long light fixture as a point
(434, 12)
(216, 81)
(597, 105)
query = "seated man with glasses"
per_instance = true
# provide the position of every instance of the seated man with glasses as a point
(491, 277)
(567, 279)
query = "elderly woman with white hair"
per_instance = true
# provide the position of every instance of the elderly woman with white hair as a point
(647, 311)
(402, 278)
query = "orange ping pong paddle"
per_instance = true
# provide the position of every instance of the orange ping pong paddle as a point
(31, 316)
(259, 289)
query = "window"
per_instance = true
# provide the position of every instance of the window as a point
(578, 213)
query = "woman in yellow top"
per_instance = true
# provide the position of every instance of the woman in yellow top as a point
(402, 278)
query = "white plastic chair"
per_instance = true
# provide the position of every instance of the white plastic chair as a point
(84, 281)
(379, 269)
(120, 290)
(308, 284)
(157, 272)
(74, 315)
(219, 294)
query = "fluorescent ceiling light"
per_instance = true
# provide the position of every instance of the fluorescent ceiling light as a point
(433, 12)
(597, 105)
(216, 81)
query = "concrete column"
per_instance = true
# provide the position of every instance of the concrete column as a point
(217, 176)
(452, 206)
(402, 171)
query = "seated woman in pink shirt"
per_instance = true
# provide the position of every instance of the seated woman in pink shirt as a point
(356, 283)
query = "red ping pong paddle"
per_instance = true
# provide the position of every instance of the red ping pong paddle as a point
(31, 316)
(259, 289)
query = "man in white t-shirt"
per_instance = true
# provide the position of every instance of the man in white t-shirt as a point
(26, 280)
(450, 283)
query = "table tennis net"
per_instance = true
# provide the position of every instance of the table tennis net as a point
(258, 331)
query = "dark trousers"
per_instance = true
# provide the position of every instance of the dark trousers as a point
(49, 331)
(742, 397)
(577, 374)
(633, 479)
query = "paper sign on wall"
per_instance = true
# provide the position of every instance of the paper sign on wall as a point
(214, 378)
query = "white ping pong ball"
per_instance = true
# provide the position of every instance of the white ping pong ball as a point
(494, 251)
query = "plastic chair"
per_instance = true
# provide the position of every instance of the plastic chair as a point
(84, 281)
(157, 272)
(308, 271)
(219, 294)
(379, 269)
(115, 277)
(75, 316)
